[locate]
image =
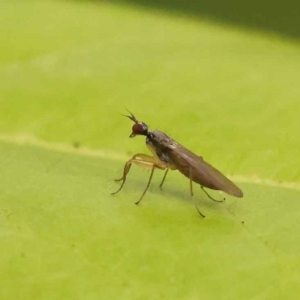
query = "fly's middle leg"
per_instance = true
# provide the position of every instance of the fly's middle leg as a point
(148, 184)
(163, 180)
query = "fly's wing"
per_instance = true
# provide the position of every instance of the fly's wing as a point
(202, 172)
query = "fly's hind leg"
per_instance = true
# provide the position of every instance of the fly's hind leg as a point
(144, 161)
(192, 194)
(210, 197)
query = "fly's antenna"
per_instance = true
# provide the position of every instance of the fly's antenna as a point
(131, 117)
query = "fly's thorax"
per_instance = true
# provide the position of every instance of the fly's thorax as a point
(159, 144)
(158, 137)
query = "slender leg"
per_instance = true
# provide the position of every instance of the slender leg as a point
(148, 184)
(163, 180)
(191, 190)
(138, 156)
(210, 196)
(144, 161)
(125, 172)
(200, 213)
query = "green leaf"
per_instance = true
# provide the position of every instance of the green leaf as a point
(66, 236)
(67, 70)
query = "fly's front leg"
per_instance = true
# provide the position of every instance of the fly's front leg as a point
(127, 166)
(135, 159)
(144, 161)
(125, 172)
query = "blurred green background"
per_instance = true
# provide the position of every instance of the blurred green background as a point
(219, 77)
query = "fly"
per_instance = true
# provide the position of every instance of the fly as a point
(167, 155)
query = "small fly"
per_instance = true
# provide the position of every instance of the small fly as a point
(167, 155)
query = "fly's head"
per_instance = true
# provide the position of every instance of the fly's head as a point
(138, 128)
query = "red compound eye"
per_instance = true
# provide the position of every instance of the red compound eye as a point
(139, 128)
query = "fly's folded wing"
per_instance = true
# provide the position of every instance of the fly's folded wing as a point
(194, 167)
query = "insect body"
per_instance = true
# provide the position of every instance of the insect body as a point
(170, 155)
